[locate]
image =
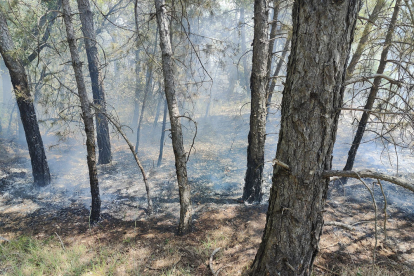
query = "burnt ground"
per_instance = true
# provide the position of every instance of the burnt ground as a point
(216, 171)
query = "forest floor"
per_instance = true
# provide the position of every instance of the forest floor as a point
(49, 232)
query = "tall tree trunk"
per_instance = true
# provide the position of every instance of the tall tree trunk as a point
(98, 92)
(272, 39)
(374, 90)
(148, 91)
(321, 41)
(164, 122)
(40, 167)
(380, 4)
(137, 68)
(252, 191)
(86, 114)
(272, 82)
(243, 49)
(176, 132)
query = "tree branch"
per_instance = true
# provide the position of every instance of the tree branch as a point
(370, 174)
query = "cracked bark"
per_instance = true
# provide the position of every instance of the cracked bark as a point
(176, 132)
(252, 191)
(86, 114)
(98, 91)
(40, 167)
(321, 41)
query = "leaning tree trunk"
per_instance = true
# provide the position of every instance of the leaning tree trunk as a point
(98, 92)
(374, 90)
(321, 41)
(86, 114)
(252, 191)
(380, 4)
(176, 132)
(40, 167)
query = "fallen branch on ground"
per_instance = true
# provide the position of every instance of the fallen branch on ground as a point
(339, 224)
(215, 273)
(370, 174)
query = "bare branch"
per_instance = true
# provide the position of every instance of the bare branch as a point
(370, 174)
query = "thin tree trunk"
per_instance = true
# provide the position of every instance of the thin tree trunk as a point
(272, 39)
(310, 111)
(158, 110)
(243, 48)
(374, 90)
(176, 132)
(380, 4)
(252, 191)
(148, 91)
(137, 68)
(86, 114)
(40, 167)
(164, 122)
(272, 82)
(98, 92)
(137, 89)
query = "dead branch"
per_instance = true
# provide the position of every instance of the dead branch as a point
(370, 174)
(215, 273)
(131, 147)
(375, 216)
(340, 224)
(359, 79)
(385, 210)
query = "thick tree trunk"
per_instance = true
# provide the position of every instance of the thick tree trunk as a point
(40, 168)
(364, 37)
(86, 114)
(176, 132)
(321, 41)
(164, 122)
(243, 49)
(373, 92)
(252, 191)
(98, 92)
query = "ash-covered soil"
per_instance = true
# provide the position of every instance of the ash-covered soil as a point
(216, 171)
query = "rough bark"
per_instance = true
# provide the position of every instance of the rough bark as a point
(86, 114)
(98, 92)
(40, 167)
(380, 4)
(164, 122)
(243, 49)
(252, 191)
(374, 90)
(176, 132)
(321, 41)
